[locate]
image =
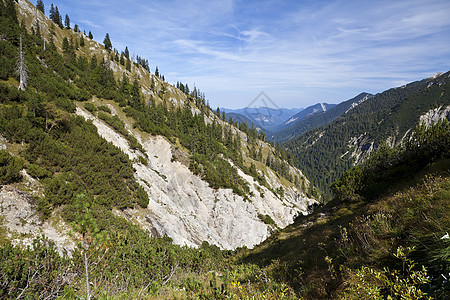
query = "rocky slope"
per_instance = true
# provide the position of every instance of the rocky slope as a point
(185, 208)
(182, 206)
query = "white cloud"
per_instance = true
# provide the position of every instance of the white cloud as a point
(297, 50)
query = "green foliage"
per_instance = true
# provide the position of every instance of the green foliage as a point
(33, 273)
(389, 166)
(266, 219)
(9, 26)
(325, 153)
(107, 42)
(40, 6)
(55, 16)
(104, 108)
(67, 22)
(90, 107)
(38, 172)
(10, 167)
(218, 173)
(403, 284)
(87, 177)
(8, 55)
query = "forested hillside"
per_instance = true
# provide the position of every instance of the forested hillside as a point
(383, 236)
(116, 184)
(300, 124)
(327, 151)
(69, 75)
(100, 150)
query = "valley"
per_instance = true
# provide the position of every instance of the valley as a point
(116, 184)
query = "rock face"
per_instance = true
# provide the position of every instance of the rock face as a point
(185, 208)
(182, 206)
(435, 115)
(22, 223)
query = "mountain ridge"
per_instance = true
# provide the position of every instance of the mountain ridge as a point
(177, 152)
(309, 122)
(266, 118)
(386, 116)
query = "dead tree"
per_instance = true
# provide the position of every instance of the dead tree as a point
(21, 69)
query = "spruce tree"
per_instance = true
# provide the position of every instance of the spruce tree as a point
(122, 59)
(91, 36)
(67, 22)
(40, 6)
(65, 45)
(76, 28)
(107, 42)
(127, 53)
(58, 18)
(52, 13)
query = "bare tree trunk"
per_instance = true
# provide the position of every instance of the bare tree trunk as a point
(22, 68)
(88, 292)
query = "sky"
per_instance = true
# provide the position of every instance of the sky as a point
(297, 52)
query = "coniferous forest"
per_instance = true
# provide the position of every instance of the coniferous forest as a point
(381, 235)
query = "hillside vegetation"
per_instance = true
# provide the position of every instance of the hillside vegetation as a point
(299, 124)
(74, 174)
(384, 234)
(55, 159)
(329, 150)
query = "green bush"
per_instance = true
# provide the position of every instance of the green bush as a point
(90, 107)
(266, 219)
(104, 108)
(38, 172)
(10, 167)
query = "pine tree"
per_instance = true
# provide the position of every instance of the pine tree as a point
(107, 42)
(38, 29)
(122, 59)
(91, 36)
(135, 94)
(67, 22)
(65, 45)
(40, 6)
(58, 18)
(55, 16)
(127, 53)
(52, 12)
(157, 71)
(75, 28)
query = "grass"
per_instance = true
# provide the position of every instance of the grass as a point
(319, 254)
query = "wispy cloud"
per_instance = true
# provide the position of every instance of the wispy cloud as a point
(298, 52)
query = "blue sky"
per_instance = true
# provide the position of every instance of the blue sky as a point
(297, 52)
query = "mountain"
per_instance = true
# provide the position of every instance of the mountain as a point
(388, 215)
(296, 126)
(325, 152)
(310, 110)
(238, 118)
(117, 184)
(92, 124)
(266, 118)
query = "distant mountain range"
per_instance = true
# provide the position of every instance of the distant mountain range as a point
(265, 118)
(283, 124)
(314, 116)
(309, 111)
